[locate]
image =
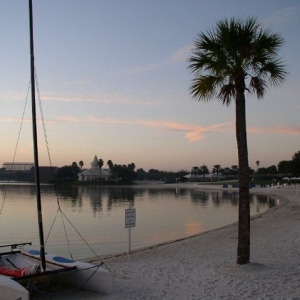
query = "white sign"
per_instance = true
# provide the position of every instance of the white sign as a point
(130, 217)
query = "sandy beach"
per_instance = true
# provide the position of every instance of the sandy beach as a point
(204, 266)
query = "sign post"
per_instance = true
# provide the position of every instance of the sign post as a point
(130, 218)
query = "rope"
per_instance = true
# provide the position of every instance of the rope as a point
(15, 152)
(50, 163)
(59, 210)
(52, 225)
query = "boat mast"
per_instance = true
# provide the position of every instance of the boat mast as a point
(35, 148)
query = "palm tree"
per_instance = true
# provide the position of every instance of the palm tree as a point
(217, 169)
(131, 166)
(110, 164)
(81, 163)
(111, 168)
(194, 171)
(100, 164)
(203, 170)
(75, 169)
(227, 171)
(235, 169)
(257, 164)
(224, 59)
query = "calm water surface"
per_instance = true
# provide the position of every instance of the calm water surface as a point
(98, 214)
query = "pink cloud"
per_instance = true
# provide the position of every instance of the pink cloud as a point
(290, 130)
(193, 133)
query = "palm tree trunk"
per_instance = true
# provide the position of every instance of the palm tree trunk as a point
(243, 250)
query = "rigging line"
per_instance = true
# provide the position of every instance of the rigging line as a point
(80, 235)
(50, 163)
(17, 144)
(43, 121)
(57, 198)
(64, 226)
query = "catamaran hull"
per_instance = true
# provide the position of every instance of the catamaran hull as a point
(95, 278)
(11, 290)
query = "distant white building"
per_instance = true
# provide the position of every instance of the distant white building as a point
(94, 173)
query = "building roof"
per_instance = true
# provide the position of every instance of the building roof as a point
(95, 171)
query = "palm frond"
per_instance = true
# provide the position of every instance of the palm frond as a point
(258, 86)
(227, 92)
(203, 87)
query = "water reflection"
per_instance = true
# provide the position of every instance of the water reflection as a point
(109, 197)
(99, 212)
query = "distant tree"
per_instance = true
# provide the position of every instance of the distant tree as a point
(227, 171)
(180, 175)
(141, 174)
(204, 171)
(251, 171)
(131, 174)
(65, 173)
(285, 167)
(272, 170)
(68, 172)
(217, 169)
(296, 163)
(262, 171)
(257, 164)
(100, 164)
(224, 60)
(75, 168)
(81, 164)
(131, 166)
(155, 174)
(125, 173)
(111, 169)
(110, 164)
(194, 171)
(235, 169)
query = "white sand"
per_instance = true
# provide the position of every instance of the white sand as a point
(204, 267)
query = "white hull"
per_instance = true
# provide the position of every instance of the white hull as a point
(86, 276)
(11, 290)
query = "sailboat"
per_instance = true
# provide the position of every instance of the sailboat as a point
(22, 263)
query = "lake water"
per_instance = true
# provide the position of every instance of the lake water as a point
(98, 214)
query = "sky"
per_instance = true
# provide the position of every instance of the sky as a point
(113, 80)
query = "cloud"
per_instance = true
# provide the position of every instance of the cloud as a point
(110, 121)
(290, 130)
(91, 98)
(69, 119)
(193, 133)
(282, 16)
(181, 54)
(177, 56)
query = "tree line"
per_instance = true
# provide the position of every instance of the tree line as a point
(283, 168)
(123, 172)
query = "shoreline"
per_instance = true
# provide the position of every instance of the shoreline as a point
(204, 266)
